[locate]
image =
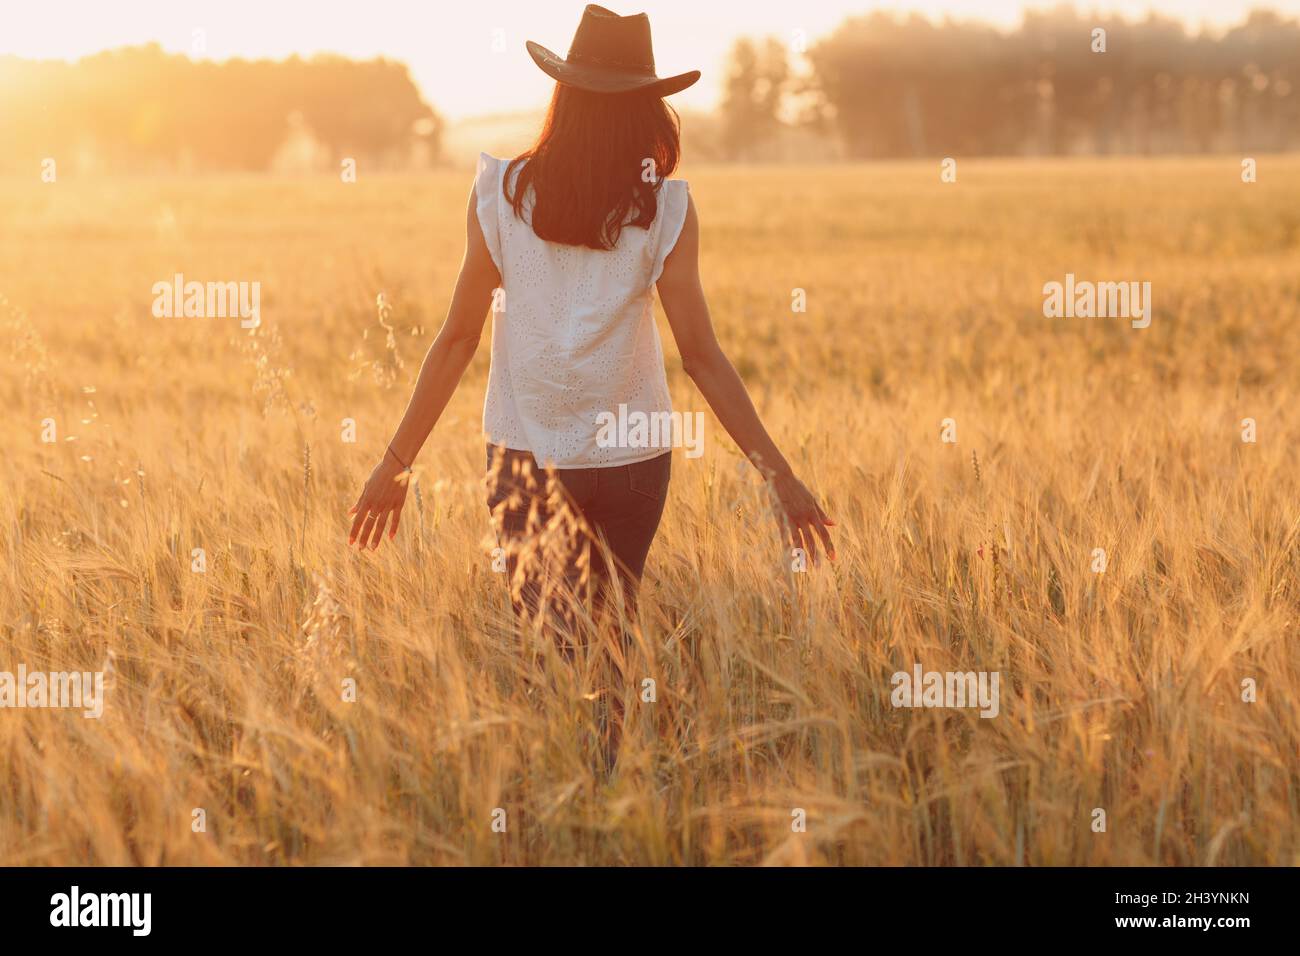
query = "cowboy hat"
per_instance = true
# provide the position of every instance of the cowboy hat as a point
(610, 54)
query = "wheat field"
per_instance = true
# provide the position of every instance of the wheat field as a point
(1121, 691)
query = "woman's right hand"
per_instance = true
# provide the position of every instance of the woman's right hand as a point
(804, 518)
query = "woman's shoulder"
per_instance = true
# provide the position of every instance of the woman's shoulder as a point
(497, 166)
(489, 172)
(677, 197)
(677, 194)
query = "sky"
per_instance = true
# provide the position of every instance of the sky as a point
(468, 57)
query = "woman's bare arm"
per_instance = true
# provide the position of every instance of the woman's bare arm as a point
(382, 498)
(683, 299)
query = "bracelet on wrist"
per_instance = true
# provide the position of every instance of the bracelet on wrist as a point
(405, 466)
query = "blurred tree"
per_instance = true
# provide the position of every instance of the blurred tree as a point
(756, 79)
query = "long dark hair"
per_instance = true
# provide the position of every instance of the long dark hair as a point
(588, 168)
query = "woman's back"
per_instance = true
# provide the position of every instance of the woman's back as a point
(574, 337)
(580, 238)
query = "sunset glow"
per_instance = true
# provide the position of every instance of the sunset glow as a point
(475, 63)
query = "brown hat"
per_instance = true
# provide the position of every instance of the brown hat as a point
(610, 54)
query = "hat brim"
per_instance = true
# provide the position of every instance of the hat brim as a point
(606, 79)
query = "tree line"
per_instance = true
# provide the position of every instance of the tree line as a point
(886, 85)
(880, 85)
(140, 108)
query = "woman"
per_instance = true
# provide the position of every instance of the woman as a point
(577, 231)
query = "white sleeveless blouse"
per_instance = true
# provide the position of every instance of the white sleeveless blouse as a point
(574, 335)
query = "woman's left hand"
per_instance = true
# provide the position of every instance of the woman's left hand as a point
(380, 504)
(804, 518)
